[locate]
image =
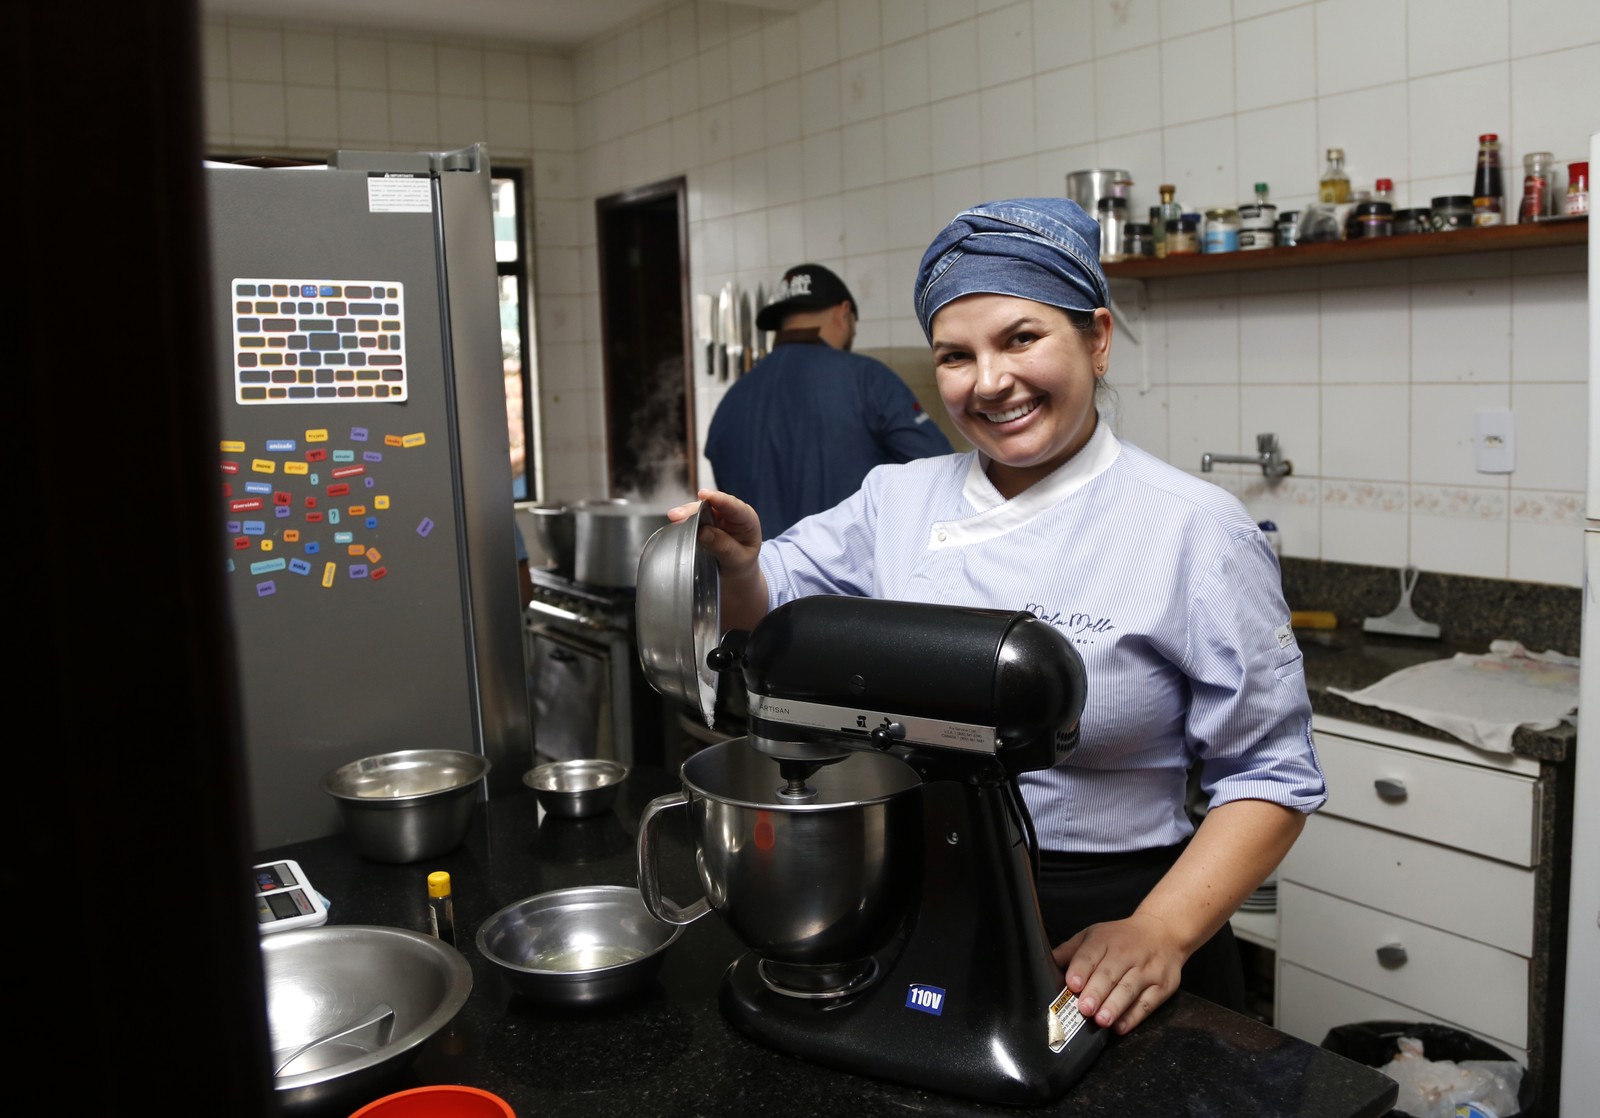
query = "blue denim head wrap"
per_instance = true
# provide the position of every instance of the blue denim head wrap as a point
(1044, 249)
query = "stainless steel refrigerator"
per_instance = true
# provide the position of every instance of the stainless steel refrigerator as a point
(364, 472)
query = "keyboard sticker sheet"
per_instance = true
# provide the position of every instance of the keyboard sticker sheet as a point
(310, 341)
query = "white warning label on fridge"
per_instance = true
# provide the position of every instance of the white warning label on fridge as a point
(1065, 1020)
(399, 192)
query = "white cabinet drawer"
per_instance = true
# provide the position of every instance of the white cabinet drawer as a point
(1310, 1004)
(1482, 988)
(1436, 885)
(1478, 809)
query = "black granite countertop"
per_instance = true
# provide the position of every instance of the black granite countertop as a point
(1349, 659)
(1471, 612)
(669, 1052)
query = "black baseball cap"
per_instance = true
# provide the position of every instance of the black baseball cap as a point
(804, 287)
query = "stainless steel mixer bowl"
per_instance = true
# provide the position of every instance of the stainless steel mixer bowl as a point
(826, 880)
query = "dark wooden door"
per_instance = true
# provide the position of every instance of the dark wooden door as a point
(644, 315)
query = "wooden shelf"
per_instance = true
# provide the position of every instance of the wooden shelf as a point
(1494, 238)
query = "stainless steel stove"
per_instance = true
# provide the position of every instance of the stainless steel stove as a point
(588, 694)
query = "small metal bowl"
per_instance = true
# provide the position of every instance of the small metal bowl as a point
(410, 805)
(577, 947)
(578, 788)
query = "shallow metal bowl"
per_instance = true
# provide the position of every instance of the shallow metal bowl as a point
(578, 788)
(577, 947)
(320, 980)
(407, 806)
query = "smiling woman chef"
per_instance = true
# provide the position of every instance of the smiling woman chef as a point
(1162, 581)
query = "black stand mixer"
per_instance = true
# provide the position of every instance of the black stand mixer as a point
(869, 842)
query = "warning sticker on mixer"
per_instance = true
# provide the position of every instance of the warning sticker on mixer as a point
(1065, 1020)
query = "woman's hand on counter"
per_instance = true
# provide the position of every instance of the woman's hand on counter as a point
(1122, 970)
(734, 540)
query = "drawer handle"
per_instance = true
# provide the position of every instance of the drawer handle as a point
(1390, 791)
(1392, 955)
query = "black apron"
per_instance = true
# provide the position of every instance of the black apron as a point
(1076, 890)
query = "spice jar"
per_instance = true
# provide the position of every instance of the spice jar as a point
(1289, 228)
(1183, 235)
(1537, 198)
(1258, 222)
(1222, 229)
(1452, 211)
(1577, 187)
(1113, 216)
(1373, 219)
(1411, 221)
(1138, 239)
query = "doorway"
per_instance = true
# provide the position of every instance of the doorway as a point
(645, 323)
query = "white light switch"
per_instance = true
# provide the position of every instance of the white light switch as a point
(1496, 442)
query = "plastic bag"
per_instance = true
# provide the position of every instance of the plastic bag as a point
(1448, 1089)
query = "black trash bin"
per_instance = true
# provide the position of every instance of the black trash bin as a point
(1375, 1043)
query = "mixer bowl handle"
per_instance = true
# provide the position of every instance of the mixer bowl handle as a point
(649, 881)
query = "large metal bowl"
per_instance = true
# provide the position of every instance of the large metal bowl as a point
(577, 788)
(410, 805)
(678, 614)
(320, 980)
(577, 947)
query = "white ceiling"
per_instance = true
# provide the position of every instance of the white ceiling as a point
(557, 23)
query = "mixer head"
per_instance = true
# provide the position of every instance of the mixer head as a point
(828, 674)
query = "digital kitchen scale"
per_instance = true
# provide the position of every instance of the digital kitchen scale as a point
(285, 899)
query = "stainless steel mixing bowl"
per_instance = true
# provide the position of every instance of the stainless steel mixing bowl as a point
(409, 805)
(677, 614)
(577, 788)
(321, 980)
(824, 880)
(583, 946)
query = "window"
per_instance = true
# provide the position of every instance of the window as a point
(510, 254)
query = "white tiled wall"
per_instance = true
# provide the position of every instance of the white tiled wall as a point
(850, 131)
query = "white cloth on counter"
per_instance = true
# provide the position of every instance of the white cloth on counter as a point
(1481, 699)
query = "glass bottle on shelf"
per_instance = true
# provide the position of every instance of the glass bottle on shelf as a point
(1334, 188)
(1169, 210)
(1536, 195)
(1487, 192)
(1383, 191)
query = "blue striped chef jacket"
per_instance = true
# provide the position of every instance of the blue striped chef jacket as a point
(1164, 584)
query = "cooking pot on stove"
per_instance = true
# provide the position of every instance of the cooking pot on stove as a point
(823, 878)
(611, 535)
(554, 529)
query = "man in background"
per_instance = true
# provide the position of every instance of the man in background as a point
(799, 431)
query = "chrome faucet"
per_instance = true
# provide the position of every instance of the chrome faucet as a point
(1270, 458)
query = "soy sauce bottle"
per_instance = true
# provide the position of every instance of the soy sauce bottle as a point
(1488, 192)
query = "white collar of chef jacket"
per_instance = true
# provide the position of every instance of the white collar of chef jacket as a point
(996, 516)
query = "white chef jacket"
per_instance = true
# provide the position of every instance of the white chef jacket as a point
(1163, 583)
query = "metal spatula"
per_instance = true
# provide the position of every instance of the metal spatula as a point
(1402, 620)
(381, 1015)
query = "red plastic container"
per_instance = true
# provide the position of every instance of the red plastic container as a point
(443, 1101)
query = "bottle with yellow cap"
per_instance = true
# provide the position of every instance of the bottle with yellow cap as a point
(441, 909)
